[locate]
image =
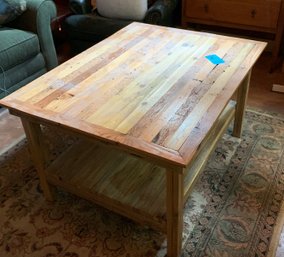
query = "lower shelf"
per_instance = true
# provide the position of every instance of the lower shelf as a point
(124, 183)
(118, 181)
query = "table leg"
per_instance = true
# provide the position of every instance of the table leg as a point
(174, 213)
(36, 146)
(240, 107)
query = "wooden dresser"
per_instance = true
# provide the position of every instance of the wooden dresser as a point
(253, 15)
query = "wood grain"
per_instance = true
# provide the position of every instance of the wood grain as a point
(153, 87)
(174, 213)
(263, 14)
(123, 183)
(34, 137)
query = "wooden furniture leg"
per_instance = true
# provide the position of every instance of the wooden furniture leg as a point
(240, 107)
(174, 213)
(36, 146)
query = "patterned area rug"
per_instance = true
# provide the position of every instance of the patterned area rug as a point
(232, 212)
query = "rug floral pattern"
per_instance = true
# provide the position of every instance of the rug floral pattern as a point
(231, 212)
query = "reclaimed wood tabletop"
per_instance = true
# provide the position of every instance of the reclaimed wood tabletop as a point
(147, 89)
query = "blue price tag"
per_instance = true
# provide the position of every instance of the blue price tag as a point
(215, 59)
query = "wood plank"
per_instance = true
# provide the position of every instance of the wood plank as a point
(125, 183)
(112, 83)
(133, 93)
(100, 69)
(93, 54)
(162, 116)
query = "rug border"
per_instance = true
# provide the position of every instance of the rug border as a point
(277, 231)
(279, 224)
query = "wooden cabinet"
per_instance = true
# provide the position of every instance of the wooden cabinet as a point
(253, 15)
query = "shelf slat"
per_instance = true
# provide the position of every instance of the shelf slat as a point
(122, 183)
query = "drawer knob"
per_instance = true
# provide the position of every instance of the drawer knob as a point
(253, 13)
(206, 8)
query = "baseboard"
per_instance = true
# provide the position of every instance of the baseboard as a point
(278, 88)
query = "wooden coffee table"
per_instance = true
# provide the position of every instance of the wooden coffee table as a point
(149, 109)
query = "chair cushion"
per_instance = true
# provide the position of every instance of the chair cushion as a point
(11, 9)
(92, 28)
(123, 9)
(16, 46)
(23, 73)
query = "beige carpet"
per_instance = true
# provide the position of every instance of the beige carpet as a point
(11, 130)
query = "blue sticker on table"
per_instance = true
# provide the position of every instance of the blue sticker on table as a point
(215, 59)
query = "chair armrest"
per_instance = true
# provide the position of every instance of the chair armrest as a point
(161, 12)
(80, 6)
(37, 19)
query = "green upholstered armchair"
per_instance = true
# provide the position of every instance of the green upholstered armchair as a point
(26, 46)
(87, 27)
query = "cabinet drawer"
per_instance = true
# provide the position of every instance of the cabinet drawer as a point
(257, 13)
